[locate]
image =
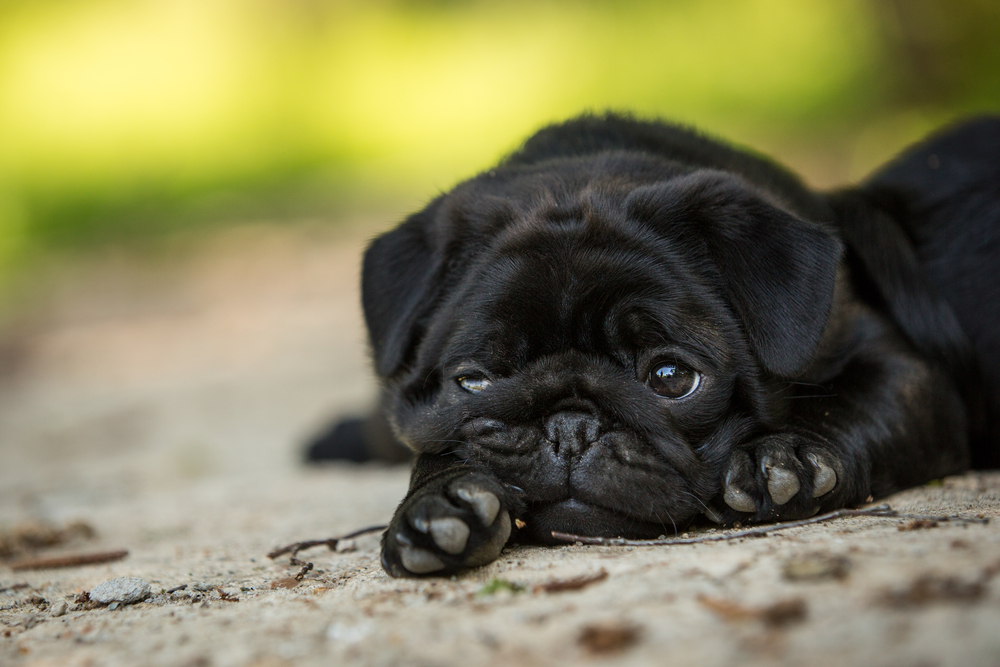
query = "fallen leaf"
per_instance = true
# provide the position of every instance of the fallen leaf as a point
(610, 637)
(69, 560)
(777, 614)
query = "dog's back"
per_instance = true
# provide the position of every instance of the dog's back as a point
(945, 194)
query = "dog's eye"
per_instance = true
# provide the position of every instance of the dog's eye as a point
(672, 380)
(473, 383)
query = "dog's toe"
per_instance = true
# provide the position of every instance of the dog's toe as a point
(782, 484)
(740, 474)
(736, 497)
(824, 478)
(739, 499)
(485, 504)
(450, 534)
(419, 561)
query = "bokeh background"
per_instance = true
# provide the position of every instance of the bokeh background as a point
(186, 187)
(127, 122)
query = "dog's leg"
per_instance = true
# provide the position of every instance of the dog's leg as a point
(358, 439)
(453, 517)
(887, 422)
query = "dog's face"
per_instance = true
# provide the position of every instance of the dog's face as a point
(597, 332)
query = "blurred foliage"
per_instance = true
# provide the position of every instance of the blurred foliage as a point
(124, 120)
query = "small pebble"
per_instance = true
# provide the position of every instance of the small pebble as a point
(59, 608)
(125, 590)
(202, 586)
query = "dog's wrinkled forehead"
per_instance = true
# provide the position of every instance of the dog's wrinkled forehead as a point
(571, 254)
(511, 200)
(579, 274)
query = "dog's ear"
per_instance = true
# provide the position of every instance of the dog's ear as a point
(398, 287)
(777, 270)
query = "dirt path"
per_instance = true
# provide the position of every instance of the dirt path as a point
(165, 408)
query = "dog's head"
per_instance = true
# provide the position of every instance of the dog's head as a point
(596, 331)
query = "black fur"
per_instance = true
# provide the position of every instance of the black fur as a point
(853, 334)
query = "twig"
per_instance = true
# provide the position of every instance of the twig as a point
(575, 584)
(951, 517)
(884, 511)
(15, 587)
(300, 575)
(331, 543)
(175, 589)
(71, 560)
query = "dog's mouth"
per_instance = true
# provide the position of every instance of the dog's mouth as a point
(587, 482)
(618, 486)
(579, 518)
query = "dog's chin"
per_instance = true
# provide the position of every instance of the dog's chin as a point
(579, 518)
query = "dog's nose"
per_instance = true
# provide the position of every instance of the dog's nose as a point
(571, 432)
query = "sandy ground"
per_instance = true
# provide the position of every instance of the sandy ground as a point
(164, 404)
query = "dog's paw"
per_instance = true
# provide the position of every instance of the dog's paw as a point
(779, 476)
(446, 526)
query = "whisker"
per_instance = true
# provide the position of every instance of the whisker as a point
(697, 499)
(427, 377)
(672, 522)
(815, 396)
(460, 442)
(791, 384)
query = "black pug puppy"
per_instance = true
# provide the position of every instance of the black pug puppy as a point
(625, 325)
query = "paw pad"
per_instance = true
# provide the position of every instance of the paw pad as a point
(419, 561)
(484, 504)
(450, 534)
(782, 483)
(447, 525)
(778, 476)
(825, 478)
(738, 499)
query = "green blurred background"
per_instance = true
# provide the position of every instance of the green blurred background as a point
(123, 122)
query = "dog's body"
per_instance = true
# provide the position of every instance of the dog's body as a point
(625, 325)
